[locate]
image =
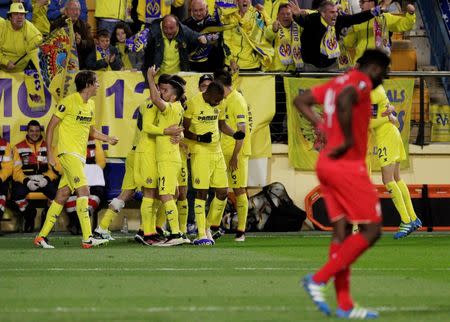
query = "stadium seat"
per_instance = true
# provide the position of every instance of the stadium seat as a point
(403, 56)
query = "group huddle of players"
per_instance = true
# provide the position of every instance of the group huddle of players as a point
(212, 129)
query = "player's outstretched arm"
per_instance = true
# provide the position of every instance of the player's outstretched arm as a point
(54, 121)
(97, 135)
(155, 96)
(304, 104)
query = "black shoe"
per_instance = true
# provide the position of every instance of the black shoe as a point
(217, 232)
(139, 237)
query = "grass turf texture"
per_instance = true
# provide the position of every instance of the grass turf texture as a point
(406, 280)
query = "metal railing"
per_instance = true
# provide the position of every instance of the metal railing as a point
(438, 37)
(420, 140)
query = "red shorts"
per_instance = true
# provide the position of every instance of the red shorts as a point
(348, 192)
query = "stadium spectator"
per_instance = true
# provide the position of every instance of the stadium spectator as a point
(245, 41)
(95, 163)
(104, 56)
(375, 32)
(5, 6)
(131, 60)
(83, 33)
(40, 19)
(19, 39)
(6, 169)
(31, 173)
(284, 34)
(341, 168)
(56, 9)
(322, 31)
(169, 44)
(208, 57)
(144, 12)
(110, 12)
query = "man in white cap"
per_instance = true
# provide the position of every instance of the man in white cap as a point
(19, 39)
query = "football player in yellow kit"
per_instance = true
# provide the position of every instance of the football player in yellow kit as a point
(75, 117)
(390, 152)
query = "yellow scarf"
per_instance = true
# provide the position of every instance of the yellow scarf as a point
(252, 26)
(101, 54)
(289, 48)
(329, 45)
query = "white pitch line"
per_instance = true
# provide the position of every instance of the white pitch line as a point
(194, 269)
(193, 309)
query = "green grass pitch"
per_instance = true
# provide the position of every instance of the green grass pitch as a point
(406, 280)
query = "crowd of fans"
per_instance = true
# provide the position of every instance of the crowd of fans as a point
(271, 35)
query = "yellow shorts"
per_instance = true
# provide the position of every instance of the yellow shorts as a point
(128, 182)
(168, 177)
(390, 148)
(183, 175)
(208, 170)
(238, 178)
(145, 170)
(73, 172)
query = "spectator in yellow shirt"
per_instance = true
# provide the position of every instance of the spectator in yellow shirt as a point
(375, 32)
(19, 39)
(285, 35)
(40, 18)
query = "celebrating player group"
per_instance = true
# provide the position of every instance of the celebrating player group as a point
(170, 129)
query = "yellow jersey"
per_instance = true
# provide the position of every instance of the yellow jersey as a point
(172, 115)
(380, 124)
(171, 59)
(76, 120)
(236, 111)
(147, 142)
(204, 118)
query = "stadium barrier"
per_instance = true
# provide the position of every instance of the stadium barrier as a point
(431, 203)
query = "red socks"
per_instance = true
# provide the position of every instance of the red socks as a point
(341, 282)
(352, 247)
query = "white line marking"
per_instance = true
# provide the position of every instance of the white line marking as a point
(162, 309)
(194, 269)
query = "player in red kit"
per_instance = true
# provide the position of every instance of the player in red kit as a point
(349, 195)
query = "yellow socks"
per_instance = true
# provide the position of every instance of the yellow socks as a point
(146, 213)
(242, 211)
(107, 219)
(160, 215)
(52, 214)
(182, 206)
(200, 217)
(407, 199)
(396, 196)
(82, 204)
(215, 212)
(172, 216)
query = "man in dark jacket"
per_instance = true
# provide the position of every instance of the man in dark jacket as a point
(169, 44)
(83, 33)
(321, 33)
(205, 58)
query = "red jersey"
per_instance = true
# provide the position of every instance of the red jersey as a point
(327, 95)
